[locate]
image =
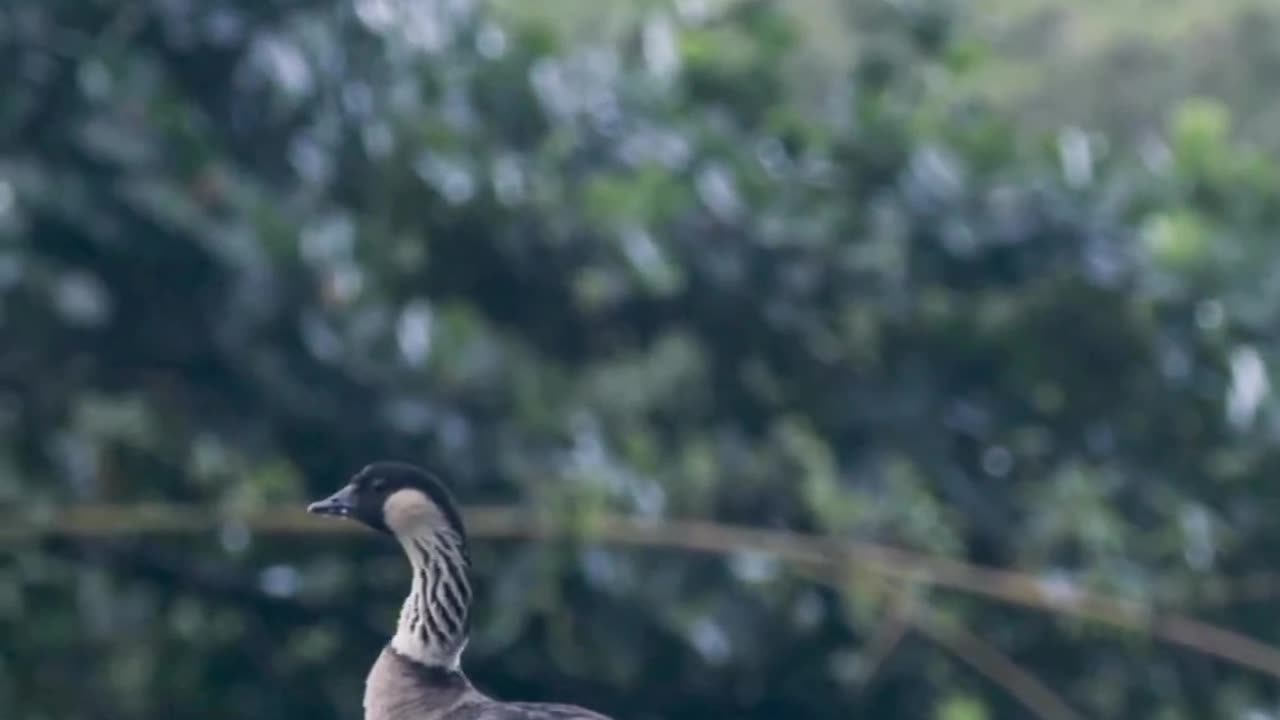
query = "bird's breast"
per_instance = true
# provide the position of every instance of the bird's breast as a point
(400, 689)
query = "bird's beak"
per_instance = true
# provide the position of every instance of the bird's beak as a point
(341, 503)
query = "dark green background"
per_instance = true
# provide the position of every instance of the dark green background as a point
(701, 265)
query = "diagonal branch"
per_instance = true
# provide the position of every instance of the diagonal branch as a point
(888, 636)
(988, 660)
(906, 613)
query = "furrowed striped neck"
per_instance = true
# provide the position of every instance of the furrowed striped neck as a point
(434, 620)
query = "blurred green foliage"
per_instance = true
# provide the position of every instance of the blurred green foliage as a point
(1119, 65)
(681, 270)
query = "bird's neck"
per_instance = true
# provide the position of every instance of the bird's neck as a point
(434, 619)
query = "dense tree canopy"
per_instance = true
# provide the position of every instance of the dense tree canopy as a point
(247, 246)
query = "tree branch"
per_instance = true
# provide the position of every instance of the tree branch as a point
(1009, 587)
(988, 660)
(888, 636)
(906, 613)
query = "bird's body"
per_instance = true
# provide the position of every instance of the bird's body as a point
(418, 676)
(401, 689)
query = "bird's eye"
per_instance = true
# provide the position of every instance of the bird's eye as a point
(378, 484)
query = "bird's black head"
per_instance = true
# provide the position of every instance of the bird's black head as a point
(395, 498)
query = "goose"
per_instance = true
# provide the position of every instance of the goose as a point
(418, 674)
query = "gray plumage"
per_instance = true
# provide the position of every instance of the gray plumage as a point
(418, 676)
(401, 689)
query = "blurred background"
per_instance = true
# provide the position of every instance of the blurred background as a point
(818, 359)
